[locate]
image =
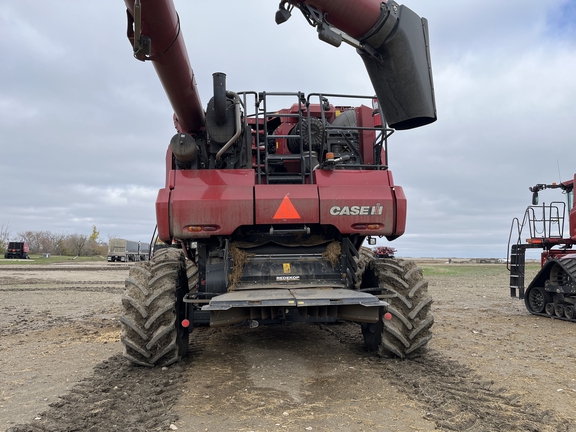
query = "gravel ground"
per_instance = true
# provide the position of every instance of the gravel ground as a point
(490, 366)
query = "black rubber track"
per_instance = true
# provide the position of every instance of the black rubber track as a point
(555, 274)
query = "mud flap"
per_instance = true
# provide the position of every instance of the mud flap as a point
(311, 305)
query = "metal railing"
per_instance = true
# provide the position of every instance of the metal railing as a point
(270, 166)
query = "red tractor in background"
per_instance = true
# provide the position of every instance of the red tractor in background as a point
(553, 291)
(265, 209)
(17, 250)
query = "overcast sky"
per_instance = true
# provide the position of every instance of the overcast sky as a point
(84, 126)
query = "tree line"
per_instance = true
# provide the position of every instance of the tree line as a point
(41, 242)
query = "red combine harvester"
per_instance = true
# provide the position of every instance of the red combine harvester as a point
(17, 250)
(553, 291)
(265, 209)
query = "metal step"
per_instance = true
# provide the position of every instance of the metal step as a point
(237, 306)
(285, 178)
(283, 157)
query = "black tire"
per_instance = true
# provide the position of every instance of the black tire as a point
(536, 299)
(365, 256)
(559, 310)
(192, 275)
(153, 310)
(408, 332)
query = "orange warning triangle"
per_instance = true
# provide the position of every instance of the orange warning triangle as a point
(286, 210)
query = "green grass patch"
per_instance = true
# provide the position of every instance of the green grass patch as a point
(54, 259)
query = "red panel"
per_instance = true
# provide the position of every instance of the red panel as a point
(572, 217)
(163, 215)
(349, 198)
(286, 204)
(221, 198)
(401, 211)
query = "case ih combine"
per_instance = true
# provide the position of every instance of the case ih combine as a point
(266, 208)
(553, 291)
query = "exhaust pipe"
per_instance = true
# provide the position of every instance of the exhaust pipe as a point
(222, 121)
(219, 79)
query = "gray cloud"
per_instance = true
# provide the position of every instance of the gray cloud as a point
(84, 126)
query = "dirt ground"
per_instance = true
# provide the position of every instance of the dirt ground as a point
(490, 366)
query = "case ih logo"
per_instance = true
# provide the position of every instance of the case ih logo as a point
(356, 210)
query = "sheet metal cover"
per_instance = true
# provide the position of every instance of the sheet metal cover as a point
(292, 298)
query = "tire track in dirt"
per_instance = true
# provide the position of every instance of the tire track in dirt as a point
(108, 287)
(455, 397)
(118, 396)
(21, 319)
(56, 268)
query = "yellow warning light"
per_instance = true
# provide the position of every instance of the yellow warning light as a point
(286, 267)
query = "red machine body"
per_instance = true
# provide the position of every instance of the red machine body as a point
(368, 204)
(270, 205)
(553, 291)
(364, 202)
(17, 250)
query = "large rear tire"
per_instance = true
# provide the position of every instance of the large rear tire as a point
(408, 332)
(153, 309)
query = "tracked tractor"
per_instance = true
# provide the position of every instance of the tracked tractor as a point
(552, 292)
(270, 196)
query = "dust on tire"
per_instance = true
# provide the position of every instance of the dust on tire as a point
(152, 309)
(406, 334)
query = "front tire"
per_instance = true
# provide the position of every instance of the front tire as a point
(153, 310)
(408, 331)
